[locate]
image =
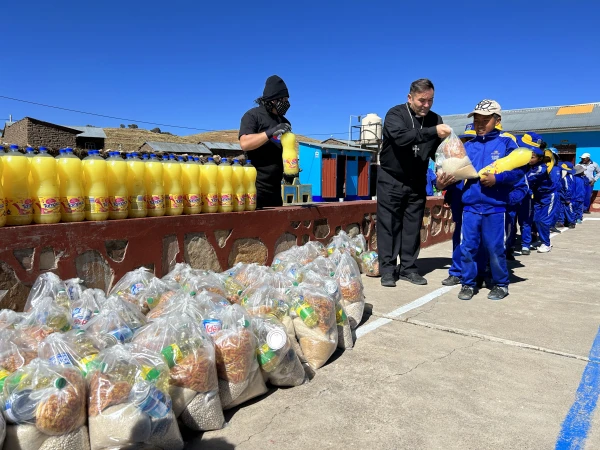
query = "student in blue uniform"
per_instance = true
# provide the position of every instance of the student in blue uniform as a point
(485, 201)
(518, 200)
(566, 215)
(431, 180)
(581, 183)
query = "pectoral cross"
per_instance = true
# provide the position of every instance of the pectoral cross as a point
(415, 149)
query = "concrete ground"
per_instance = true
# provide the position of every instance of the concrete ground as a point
(449, 374)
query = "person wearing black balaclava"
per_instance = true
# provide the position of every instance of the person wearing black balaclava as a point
(260, 130)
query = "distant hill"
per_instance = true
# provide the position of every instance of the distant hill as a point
(131, 139)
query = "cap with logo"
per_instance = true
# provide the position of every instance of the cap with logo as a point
(531, 140)
(469, 132)
(486, 108)
(567, 166)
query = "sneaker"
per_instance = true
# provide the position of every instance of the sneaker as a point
(554, 230)
(498, 293)
(466, 293)
(451, 281)
(544, 248)
(388, 280)
(559, 225)
(525, 251)
(571, 226)
(579, 221)
(414, 278)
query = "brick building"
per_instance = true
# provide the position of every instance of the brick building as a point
(37, 133)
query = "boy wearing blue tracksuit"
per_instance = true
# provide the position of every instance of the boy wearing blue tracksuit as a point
(580, 192)
(543, 187)
(566, 215)
(485, 202)
(556, 176)
(518, 210)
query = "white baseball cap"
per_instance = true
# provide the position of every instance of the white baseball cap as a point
(585, 155)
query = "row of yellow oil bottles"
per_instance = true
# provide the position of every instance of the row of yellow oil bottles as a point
(44, 189)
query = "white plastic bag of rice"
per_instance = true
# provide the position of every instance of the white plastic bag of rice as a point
(28, 437)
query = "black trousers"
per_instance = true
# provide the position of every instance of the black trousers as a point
(400, 211)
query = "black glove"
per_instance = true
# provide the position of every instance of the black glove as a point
(278, 130)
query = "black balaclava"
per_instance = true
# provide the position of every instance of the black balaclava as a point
(274, 93)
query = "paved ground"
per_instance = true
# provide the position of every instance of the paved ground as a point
(451, 374)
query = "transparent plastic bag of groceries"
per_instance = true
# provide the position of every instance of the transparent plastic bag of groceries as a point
(329, 285)
(239, 277)
(237, 366)
(324, 266)
(190, 355)
(132, 287)
(349, 281)
(129, 402)
(369, 264)
(84, 307)
(265, 299)
(204, 281)
(16, 351)
(451, 158)
(75, 348)
(45, 318)
(340, 242)
(278, 361)
(313, 313)
(47, 285)
(179, 273)
(52, 398)
(9, 319)
(116, 322)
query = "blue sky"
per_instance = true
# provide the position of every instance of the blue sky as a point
(201, 64)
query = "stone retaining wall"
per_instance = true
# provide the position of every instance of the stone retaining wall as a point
(100, 253)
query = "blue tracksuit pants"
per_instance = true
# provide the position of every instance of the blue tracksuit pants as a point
(523, 215)
(485, 231)
(544, 214)
(587, 200)
(455, 268)
(578, 209)
(569, 213)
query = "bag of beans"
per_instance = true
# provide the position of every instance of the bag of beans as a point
(47, 285)
(451, 158)
(313, 312)
(75, 348)
(44, 406)
(348, 278)
(237, 366)
(190, 355)
(129, 402)
(277, 359)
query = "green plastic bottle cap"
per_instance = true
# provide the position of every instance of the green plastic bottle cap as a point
(153, 374)
(60, 383)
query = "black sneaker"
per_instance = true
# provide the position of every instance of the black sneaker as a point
(525, 251)
(414, 278)
(554, 230)
(560, 225)
(571, 226)
(466, 293)
(451, 281)
(498, 293)
(388, 280)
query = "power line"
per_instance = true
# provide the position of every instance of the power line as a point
(134, 120)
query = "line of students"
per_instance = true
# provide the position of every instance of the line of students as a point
(539, 197)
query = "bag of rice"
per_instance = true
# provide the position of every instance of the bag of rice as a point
(277, 359)
(129, 402)
(190, 355)
(75, 348)
(49, 399)
(451, 158)
(237, 366)
(47, 285)
(348, 278)
(315, 324)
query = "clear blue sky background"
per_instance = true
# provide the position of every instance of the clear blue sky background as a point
(200, 64)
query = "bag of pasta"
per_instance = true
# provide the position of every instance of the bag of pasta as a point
(190, 355)
(76, 348)
(277, 359)
(237, 366)
(45, 318)
(129, 402)
(264, 299)
(16, 351)
(348, 278)
(369, 264)
(451, 158)
(313, 312)
(44, 406)
(47, 285)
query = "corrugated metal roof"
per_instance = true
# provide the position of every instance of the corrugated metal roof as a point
(172, 147)
(342, 142)
(538, 119)
(91, 132)
(221, 145)
(336, 147)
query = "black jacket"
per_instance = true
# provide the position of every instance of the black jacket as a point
(397, 155)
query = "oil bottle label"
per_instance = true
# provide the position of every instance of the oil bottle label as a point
(137, 202)
(191, 200)
(174, 201)
(117, 203)
(48, 205)
(291, 163)
(72, 205)
(212, 200)
(225, 200)
(96, 204)
(19, 206)
(251, 199)
(2, 207)
(155, 201)
(240, 199)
